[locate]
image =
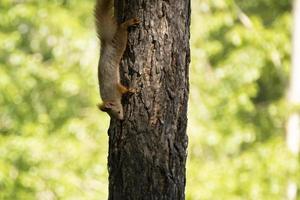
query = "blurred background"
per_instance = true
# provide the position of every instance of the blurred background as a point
(53, 140)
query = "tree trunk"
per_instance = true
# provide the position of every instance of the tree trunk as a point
(293, 128)
(147, 151)
(293, 123)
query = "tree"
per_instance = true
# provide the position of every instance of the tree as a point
(293, 129)
(147, 151)
(293, 123)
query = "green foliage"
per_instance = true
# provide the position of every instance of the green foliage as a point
(259, 173)
(239, 76)
(53, 142)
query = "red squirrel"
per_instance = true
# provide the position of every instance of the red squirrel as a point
(113, 38)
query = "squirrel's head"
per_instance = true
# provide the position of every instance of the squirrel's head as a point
(114, 109)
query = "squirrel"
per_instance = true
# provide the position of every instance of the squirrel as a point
(113, 38)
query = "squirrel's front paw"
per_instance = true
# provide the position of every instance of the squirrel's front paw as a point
(131, 90)
(134, 21)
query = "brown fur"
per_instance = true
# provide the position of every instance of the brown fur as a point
(113, 38)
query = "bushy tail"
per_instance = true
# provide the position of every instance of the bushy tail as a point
(106, 25)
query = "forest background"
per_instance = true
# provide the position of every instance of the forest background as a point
(53, 140)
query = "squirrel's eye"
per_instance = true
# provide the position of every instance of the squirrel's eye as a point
(119, 112)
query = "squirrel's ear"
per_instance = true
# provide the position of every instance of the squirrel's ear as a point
(100, 106)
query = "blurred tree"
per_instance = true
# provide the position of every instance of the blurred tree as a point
(293, 123)
(293, 126)
(147, 151)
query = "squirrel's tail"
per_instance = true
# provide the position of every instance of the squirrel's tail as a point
(106, 25)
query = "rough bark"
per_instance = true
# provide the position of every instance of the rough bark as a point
(147, 151)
